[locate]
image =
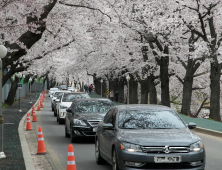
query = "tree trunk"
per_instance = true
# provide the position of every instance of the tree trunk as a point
(133, 95)
(144, 91)
(11, 95)
(187, 94)
(215, 73)
(164, 77)
(152, 91)
(121, 90)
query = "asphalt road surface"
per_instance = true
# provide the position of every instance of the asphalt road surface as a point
(57, 145)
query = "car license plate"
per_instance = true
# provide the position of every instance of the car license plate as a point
(167, 159)
(94, 129)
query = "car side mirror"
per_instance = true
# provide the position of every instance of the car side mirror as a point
(108, 126)
(192, 125)
(69, 110)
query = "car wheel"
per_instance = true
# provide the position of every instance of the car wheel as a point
(55, 113)
(99, 159)
(52, 108)
(66, 134)
(60, 121)
(114, 160)
(72, 136)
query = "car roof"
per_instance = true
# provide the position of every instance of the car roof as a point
(142, 107)
(92, 99)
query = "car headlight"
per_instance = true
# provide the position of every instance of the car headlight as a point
(130, 147)
(78, 122)
(63, 107)
(195, 147)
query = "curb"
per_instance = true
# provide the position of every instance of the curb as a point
(207, 131)
(24, 144)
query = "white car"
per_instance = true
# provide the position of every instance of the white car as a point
(54, 96)
(72, 89)
(65, 101)
(52, 90)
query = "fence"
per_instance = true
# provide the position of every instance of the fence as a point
(35, 88)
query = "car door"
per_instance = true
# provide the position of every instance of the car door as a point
(69, 116)
(107, 135)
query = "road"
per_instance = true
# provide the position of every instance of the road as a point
(57, 145)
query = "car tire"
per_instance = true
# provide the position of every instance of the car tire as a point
(66, 134)
(52, 108)
(55, 113)
(73, 137)
(60, 121)
(99, 159)
(114, 160)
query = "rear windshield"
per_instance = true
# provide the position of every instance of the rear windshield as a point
(93, 106)
(71, 97)
(54, 89)
(147, 119)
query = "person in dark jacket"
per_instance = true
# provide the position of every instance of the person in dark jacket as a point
(116, 96)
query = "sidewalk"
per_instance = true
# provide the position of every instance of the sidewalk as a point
(203, 125)
(11, 140)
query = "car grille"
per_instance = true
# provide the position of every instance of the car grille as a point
(93, 123)
(164, 166)
(89, 133)
(165, 149)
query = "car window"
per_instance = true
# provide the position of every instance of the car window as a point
(147, 119)
(90, 106)
(70, 97)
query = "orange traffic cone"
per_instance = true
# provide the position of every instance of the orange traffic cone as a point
(28, 123)
(38, 107)
(34, 119)
(71, 163)
(41, 105)
(33, 110)
(41, 143)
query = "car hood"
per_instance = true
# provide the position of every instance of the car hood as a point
(67, 104)
(90, 116)
(158, 137)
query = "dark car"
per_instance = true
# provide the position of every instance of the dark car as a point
(134, 137)
(84, 115)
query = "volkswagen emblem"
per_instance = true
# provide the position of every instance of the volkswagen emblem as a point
(166, 149)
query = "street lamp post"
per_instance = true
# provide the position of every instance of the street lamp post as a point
(30, 80)
(3, 52)
(128, 79)
(35, 88)
(19, 75)
(101, 81)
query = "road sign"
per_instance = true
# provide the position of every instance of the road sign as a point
(19, 86)
(107, 91)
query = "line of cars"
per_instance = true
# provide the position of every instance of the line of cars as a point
(132, 137)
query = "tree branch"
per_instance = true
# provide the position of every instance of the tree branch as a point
(88, 7)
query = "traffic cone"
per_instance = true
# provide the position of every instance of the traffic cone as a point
(41, 143)
(71, 164)
(41, 105)
(28, 123)
(34, 119)
(38, 107)
(33, 109)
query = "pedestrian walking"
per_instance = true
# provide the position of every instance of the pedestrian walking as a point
(90, 88)
(116, 96)
(111, 95)
(86, 88)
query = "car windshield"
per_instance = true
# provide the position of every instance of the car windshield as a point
(149, 119)
(70, 97)
(53, 89)
(56, 94)
(93, 106)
